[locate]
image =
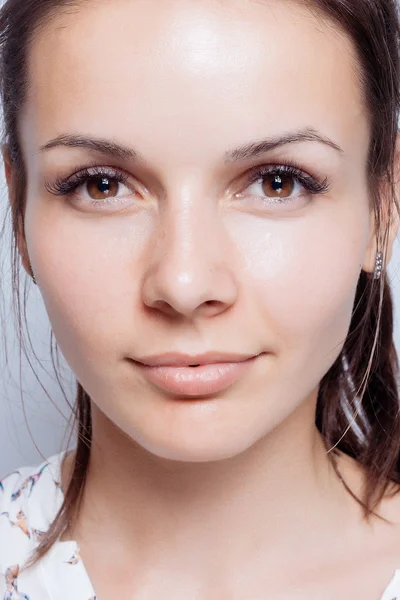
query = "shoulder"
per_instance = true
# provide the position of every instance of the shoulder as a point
(30, 498)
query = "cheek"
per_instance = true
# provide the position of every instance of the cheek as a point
(89, 275)
(303, 274)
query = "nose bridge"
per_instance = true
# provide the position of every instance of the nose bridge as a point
(189, 224)
(189, 260)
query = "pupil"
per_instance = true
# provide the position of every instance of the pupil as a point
(104, 186)
(277, 183)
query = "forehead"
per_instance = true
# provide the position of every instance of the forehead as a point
(191, 70)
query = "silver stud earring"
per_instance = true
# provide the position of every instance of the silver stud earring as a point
(378, 265)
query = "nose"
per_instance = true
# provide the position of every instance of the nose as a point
(191, 268)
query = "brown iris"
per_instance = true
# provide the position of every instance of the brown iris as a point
(100, 188)
(278, 186)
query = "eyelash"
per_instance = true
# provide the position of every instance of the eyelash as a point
(64, 187)
(312, 184)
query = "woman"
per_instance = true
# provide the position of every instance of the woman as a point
(205, 194)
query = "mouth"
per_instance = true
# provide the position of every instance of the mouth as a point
(195, 379)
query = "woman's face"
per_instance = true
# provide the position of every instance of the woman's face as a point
(194, 250)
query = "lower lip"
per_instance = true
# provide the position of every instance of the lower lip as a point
(196, 381)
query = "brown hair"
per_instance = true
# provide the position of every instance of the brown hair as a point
(358, 402)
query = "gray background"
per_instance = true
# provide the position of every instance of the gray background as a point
(32, 425)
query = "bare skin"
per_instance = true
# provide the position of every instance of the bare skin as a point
(232, 496)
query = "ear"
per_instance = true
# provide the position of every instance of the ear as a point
(11, 176)
(390, 219)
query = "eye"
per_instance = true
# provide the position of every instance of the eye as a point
(102, 188)
(274, 185)
(98, 187)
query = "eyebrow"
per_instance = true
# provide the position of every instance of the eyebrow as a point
(96, 144)
(254, 149)
(241, 153)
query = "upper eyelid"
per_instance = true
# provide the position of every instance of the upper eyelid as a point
(116, 169)
(98, 171)
(261, 170)
(283, 166)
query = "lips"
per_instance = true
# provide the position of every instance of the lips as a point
(203, 380)
(177, 359)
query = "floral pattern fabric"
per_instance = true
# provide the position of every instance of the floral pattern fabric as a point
(29, 501)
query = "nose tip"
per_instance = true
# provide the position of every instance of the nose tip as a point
(195, 296)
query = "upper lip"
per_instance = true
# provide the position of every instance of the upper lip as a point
(176, 359)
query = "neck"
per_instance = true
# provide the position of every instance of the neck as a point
(262, 503)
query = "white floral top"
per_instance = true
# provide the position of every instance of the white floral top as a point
(29, 501)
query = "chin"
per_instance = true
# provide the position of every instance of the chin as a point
(194, 452)
(195, 444)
